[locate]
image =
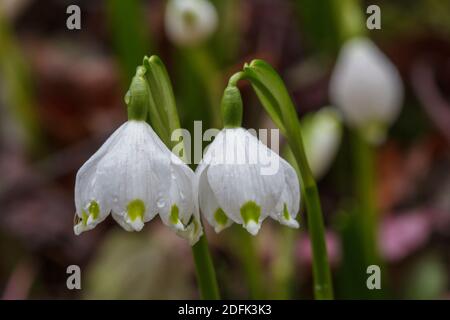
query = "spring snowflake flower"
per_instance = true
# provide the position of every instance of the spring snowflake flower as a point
(135, 176)
(241, 180)
(367, 87)
(190, 22)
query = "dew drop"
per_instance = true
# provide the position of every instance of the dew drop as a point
(160, 203)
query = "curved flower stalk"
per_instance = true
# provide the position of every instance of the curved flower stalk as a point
(135, 177)
(240, 180)
(322, 133)
(190, 22)
(367, 87)
(274, 97)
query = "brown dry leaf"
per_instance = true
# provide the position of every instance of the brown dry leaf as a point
(400, 171)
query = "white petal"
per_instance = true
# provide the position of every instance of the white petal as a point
(208, 203)
(181, 197)
(136, 224)
(136, 169)
(366, 85)
(88, 188)
(236, 174)
(322, 132)
(253, 227)
(290, 198)
(120, 220)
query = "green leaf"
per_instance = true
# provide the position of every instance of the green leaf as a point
(276, 100)
(260, 83)
(163, 107)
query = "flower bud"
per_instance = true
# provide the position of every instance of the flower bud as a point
(367, 87)
(322, 133)
(189, 22)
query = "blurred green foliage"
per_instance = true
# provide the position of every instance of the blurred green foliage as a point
(129, 33)
(143, 265)
(18, 88)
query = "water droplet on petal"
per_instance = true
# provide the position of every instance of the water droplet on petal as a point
(160, 203)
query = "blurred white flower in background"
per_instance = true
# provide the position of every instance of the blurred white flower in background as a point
(322, 133)
(190, 22)
(233, 187)
(367, 87)
(12, 8)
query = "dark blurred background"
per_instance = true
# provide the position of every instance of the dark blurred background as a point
(61, 95)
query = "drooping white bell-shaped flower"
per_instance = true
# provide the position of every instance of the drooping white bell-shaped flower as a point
(240, 180)
(189, 22)
(135, 176)
(322, 132)
(367, 87)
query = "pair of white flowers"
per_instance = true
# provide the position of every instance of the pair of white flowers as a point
(135, 177)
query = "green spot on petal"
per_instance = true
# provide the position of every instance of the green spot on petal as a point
(174, 212)
(135, 209)
(84, 217)
(94, 209)
(286, 214)
(196, 226)
(220, 217)
(250, 211)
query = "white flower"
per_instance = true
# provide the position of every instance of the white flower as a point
(367, 87)
(241, 180)
(322, 132)
(135, 176)
(189, 22)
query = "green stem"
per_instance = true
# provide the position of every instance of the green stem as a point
(349, 19)
(363, 158)
(322, 276)
(250, 262)
(206, 275)
(284, 265)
